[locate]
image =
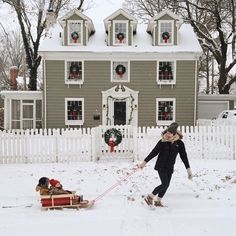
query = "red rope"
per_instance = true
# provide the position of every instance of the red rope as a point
(115, 185)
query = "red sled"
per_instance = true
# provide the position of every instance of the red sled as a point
(64, 201)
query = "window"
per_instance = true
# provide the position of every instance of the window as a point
(165, 111)
(74, 72)
(166, 72)
(120, 71)
(120, 36)
(74, 111)
(166, 33)
(26, 114)
(75, 32)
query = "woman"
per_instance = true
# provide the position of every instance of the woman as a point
(167, 149)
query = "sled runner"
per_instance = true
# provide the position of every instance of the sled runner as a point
(64, 201)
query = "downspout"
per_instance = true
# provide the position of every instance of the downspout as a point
(196, 100)
(45, 94)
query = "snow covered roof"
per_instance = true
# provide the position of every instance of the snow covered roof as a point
(142, 41)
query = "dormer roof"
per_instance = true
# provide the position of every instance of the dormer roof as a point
(125, 14)
(80, 14)
(177, 18)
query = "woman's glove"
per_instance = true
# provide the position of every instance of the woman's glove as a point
(190, 175)
(142, 164)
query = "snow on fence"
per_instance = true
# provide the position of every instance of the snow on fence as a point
(71, 145)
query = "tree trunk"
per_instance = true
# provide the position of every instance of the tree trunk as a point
(223, 88)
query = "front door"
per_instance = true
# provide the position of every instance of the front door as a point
(119, 113)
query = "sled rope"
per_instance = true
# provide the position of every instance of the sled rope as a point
(115, 185)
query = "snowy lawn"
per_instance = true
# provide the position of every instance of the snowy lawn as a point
(204, 206)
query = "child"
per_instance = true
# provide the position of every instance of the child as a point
(56, 188)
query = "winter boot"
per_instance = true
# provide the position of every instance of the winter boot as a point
(158, 204)
(148, 200)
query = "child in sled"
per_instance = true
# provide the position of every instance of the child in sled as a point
(56, 188)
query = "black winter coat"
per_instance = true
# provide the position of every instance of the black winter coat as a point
(167, 152)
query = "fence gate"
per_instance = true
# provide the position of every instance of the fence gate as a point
(104, 149)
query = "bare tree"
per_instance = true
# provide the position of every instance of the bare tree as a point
(11, 54)
(214, 21)
(31, 16)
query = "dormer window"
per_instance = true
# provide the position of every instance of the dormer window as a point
(166, 29)
(75, 32)
(120, 35)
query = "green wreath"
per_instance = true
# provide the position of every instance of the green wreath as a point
(165, 35)
(117, 134)
(120, 36)
(120, 70)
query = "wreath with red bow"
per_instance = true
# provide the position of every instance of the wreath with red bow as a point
(74, 36)
(165, 36)
(120, 37)
(120, 70)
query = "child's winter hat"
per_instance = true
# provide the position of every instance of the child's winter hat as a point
(172, 128)
(43, 181)
(55, 183)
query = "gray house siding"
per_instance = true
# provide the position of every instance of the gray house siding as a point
(165, 17)
(98, 78)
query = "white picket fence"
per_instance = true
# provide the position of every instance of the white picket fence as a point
(71, 145)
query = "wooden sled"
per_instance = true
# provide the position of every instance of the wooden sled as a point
(64, 201)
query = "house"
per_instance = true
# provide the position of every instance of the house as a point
(119, 72)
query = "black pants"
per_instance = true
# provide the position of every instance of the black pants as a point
(165, 176)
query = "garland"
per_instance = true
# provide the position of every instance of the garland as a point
(165, 36)
(120, 70)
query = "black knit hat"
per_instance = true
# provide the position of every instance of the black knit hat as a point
(172, 128)
(42, 181)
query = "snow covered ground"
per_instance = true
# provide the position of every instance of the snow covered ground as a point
(204, 206)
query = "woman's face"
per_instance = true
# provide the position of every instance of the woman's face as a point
(168, 135)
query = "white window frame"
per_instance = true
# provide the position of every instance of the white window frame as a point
(128, 72)
(165, 122)
(74, 122)
(66, 73)
(114, 33)
(160, 33)
(167, 82)
(68, 32)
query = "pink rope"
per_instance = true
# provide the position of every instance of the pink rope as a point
(115, 185)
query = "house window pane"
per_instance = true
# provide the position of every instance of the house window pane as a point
(75, 33)
(165, 110)
(120, 71)
(74, 71)
(15, 124)
(120, 33)
(15, 109)
(28, 111)
(166, 71)
(166, 33)
(74, 110)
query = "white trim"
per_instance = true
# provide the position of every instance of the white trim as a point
(174, 73)
(163, 122)
(128, 72)
(117, 93)
(74, 82)
(74, 122)
(172, 32)
(127, 32)
(68, 32)
(132, 56)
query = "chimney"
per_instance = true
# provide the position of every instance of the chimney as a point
(13, 75)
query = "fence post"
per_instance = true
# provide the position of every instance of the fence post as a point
(93, 144)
